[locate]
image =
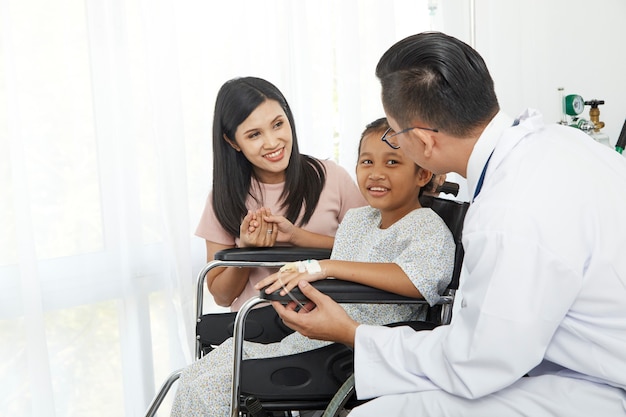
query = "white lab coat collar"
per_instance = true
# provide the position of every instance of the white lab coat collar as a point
(484, 146)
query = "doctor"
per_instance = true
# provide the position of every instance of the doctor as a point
(539, 327)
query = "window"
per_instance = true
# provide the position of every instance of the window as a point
(105, 124)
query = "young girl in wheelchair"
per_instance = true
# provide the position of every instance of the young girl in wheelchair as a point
(393, 244)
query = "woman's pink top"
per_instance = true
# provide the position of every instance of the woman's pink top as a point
(339, 194)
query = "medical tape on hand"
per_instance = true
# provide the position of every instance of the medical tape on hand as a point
(310, 266)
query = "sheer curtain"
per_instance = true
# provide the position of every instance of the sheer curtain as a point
(105, 162)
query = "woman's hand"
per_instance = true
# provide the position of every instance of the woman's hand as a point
(289, 276)
(286, 229)
(256, 231)
(287, 232)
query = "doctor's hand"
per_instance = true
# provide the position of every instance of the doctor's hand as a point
(324, 320)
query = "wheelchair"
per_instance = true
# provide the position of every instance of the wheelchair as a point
(314, 379)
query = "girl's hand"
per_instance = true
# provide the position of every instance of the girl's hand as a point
(255, 231)
(289, 276)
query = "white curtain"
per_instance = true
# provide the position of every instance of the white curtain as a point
(105, 163)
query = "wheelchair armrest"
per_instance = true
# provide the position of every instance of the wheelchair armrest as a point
(345, 292)
(272, 254)
(213, 329)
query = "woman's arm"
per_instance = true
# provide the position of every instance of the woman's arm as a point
(225, 284)
(304, 238)
(298, 236)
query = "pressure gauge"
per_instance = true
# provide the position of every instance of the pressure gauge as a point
(574, 104)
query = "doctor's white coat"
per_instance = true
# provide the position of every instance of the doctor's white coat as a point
(543, 288)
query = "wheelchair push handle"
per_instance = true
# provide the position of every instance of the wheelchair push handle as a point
(448, 188)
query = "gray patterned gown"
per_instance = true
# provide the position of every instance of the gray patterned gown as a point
(420, 243)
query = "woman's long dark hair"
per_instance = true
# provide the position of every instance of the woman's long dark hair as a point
(305, 176)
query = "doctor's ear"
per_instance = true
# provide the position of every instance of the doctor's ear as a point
(232, 143)
(429, 143)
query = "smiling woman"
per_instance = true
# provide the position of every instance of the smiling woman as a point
(260, 176)
(265, 140)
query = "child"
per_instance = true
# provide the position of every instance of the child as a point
(408, 250)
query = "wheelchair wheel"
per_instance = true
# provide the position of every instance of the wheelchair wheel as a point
(336, 406)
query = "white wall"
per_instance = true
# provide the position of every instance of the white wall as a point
(532, 47)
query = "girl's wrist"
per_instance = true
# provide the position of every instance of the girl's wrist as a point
(324, 264)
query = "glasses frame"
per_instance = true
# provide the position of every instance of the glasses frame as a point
(385, 137)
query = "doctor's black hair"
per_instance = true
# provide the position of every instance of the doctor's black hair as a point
(233, 174)
(439, 81)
